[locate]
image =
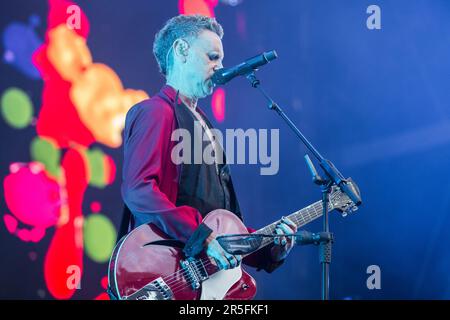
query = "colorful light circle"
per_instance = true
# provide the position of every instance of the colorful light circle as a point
(99, 237)
(17, 108)
(47, 153)
(96, 206)
(96, 167)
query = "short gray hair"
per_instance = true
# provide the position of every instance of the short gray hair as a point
(182, 26)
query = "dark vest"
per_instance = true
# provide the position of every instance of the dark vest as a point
(200, 185)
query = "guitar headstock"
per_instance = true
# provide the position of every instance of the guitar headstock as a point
(341, 202)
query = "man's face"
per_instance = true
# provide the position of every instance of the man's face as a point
(205, 56)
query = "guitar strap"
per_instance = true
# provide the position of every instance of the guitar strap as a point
(127, 220)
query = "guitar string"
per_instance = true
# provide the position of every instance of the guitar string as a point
(299, 215)
(184, 285)
(302, 222)
(172, 279)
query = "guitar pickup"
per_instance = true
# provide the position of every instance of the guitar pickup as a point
(155, 290)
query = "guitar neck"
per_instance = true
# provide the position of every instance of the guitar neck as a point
(300, 218)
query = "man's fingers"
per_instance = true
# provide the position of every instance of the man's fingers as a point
(288, 222)
(222, 259)
(232, 261)
(225, 262)
(229, 261)
(276, 240)
(280, 240)
(285, 229)
(292, 226)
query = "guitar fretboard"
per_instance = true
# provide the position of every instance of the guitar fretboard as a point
(300, 218)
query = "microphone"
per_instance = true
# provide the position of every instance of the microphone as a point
(306, 237)
(224, 75)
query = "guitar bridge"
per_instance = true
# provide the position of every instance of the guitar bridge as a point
(195, 272)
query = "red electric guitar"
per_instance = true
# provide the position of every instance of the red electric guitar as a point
(147, 265)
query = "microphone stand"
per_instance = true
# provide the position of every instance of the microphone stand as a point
(333, 177)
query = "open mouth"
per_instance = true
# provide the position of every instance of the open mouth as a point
(210, 83)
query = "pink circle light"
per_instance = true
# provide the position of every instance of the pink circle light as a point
(218, 104)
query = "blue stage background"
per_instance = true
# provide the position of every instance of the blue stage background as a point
(375, 102)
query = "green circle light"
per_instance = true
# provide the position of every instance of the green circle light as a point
(17, 108)
(99, 237)
(97, 167)
(46, 152)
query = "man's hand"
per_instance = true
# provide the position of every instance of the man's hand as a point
(223, 259)
(283, 245)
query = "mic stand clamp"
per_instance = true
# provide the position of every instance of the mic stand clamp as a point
(305, 237)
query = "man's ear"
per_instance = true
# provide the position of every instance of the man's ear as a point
(181, 48)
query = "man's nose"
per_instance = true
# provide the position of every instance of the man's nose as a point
(218, 66)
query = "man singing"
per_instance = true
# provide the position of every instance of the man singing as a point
(176, 197)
